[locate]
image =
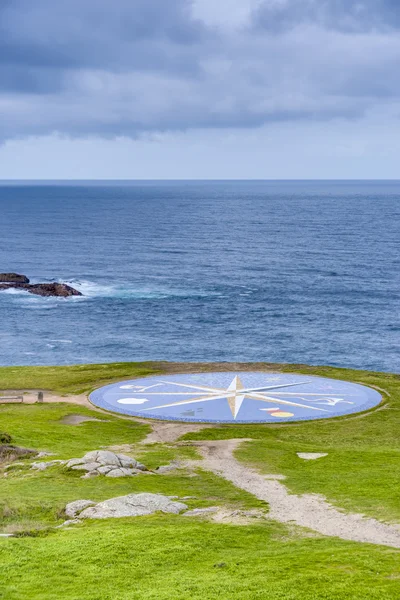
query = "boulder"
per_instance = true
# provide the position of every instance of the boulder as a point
(60, 290)
(105, 470)
(93, 466)
(133, 505)
(121, 472)
(13, 278)
(103, 457)
(74, 508)
(105, 462)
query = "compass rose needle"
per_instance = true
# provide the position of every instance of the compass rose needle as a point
(235, 400)
(275, 387)
(239, 383)
(235, 395)
(263, 398)
(195, 387)
(191, 401)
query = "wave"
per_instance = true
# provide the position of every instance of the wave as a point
(90, 289)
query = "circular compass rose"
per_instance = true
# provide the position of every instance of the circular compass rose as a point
(247, 397)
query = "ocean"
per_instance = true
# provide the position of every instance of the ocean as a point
(295, 272)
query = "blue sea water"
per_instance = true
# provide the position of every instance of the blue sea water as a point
(204, 271)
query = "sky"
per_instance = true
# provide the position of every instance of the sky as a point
(199, 89)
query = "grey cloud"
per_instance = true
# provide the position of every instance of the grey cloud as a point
(92, 67)
(341, 15)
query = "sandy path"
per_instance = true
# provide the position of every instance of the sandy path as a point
(167, 432)
(308, 510)
(31, 397)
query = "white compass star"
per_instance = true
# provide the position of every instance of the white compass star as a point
(234, 394)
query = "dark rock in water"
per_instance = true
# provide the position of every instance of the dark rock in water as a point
(13, 278)
(60, 290)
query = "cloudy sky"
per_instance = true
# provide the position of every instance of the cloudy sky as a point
(199, 89)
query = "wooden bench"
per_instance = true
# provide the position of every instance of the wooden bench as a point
(11, 399)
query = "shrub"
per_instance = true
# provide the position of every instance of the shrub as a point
(5, 438)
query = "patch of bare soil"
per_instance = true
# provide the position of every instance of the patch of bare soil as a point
(31, 397)
(164, 432)
(78, 419)
(308, 510)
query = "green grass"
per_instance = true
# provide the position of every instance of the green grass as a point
(362, 470)
(72, 380)
(165, 557)
(31, 499)
(171, 558)
(39, 426)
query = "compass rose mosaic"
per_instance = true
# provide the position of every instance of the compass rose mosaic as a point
(248, 397)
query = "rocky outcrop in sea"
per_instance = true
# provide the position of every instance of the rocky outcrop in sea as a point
(21, 282)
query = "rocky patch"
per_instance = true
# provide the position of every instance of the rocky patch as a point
(21, 282)
(13, 278)
(104, 462)
(78, 419)
(163, 469)
(132, 505)
(74, 508)
(42, 466)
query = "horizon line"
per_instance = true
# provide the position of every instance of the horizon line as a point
(138, 180)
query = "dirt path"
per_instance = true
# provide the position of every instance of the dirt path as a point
(168, 432)
(307, 510)
(31, 397)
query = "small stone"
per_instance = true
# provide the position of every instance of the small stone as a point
(105, 470)
(42, 466)
(140, 467)
(311, 455)
(104, 457)
(87, 467)
(69, 522)
(74, 508)
(167, 468)
(73, 462)
(90, 475)
(44, 454)
(121, 472)
(126, 461)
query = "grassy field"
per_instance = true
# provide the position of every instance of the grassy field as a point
(165, 557)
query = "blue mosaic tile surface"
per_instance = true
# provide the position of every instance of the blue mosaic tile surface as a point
(236, 397)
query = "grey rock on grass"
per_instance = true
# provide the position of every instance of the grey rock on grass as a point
(105, 462)
(311, 455)
(74, 508)
(42, 466)
(133, 505)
